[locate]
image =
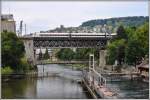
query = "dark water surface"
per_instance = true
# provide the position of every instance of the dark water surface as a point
(130, 89)
(62, 84)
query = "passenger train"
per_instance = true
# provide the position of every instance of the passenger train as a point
(74, 35)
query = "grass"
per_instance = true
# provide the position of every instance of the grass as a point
(6, 70)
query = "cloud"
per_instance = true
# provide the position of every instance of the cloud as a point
(49, 14)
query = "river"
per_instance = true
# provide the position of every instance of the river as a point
(62, 84)
(130, 89)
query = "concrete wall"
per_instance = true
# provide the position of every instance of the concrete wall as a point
(29, 49)
(10, 26)
(102, 59)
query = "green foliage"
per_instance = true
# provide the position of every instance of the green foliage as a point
(25, 66)
(121, 34)
(134, 21)
(65, 54)
(121, 54)
(12, 50)
(83, 53)
(46, 55)
(130, 47)
(134, 52)
(80, 53)
(6, 70)
(138, 44)
(13, 53)
(114, 50)
(142, 35)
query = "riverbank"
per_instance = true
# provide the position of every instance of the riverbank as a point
(19, 75)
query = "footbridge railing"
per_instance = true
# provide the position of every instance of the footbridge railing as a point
(60, 62)
(96, 82)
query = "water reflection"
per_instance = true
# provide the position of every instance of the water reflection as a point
(19, 88)
(63, 85)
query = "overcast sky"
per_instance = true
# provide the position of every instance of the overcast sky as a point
(49, 14)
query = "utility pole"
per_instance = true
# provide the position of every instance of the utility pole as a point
(20, 30)
(25, 28)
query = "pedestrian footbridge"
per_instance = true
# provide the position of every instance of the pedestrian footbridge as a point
(43, 62)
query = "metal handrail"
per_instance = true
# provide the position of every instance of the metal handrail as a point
(92, 68)
(99, 75)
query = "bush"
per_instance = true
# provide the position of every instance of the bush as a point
(6, 70)
(12, 50)
(25, 66)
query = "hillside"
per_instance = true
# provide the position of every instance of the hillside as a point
(96, 26)
(125, 21)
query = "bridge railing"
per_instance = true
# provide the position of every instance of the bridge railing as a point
(73, 61)
(98, 78)
(94, 78)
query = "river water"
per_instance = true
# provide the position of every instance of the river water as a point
(62, 84)
(130, 89)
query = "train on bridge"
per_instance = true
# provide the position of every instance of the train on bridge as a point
(73, 35)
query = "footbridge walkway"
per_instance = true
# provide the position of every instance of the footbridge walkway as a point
(42, 62)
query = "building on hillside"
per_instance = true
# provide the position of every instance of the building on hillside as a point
(8, 23)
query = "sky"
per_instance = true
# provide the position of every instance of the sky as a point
(46, 15)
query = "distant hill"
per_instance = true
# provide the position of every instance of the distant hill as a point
(98, 25)
(114, 22)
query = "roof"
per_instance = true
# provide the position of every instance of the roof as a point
(8, 17)
(146, 66)
(143, 65)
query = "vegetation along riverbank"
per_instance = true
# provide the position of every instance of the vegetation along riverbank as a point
(13, 55)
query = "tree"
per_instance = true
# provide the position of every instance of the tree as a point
(116, 50)
(83, 53)
(46, 55)
(142, 35)
(121, 34)
(12, 50)
(111, 55)
(65, 54)
(138, 44)
(121, 54)
(134, 52)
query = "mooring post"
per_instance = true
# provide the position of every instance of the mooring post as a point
(43, 69)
